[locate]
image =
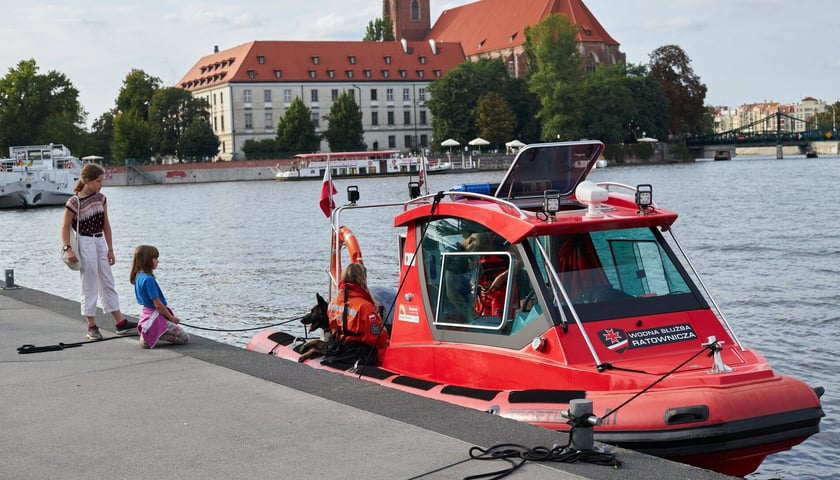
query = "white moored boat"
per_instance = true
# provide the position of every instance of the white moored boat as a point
(38, 175)
(312, 166)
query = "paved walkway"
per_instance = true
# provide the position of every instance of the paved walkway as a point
(212, 411)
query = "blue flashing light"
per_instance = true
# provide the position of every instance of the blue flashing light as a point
(483, 188)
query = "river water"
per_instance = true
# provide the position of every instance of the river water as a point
(762, 232)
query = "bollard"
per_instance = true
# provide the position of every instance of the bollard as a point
(581, 417)
(10, 280)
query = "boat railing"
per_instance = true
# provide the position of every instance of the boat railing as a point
(708, 293)
(557, 287)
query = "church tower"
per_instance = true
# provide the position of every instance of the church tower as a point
(410, 18)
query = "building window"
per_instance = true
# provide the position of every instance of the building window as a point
(252, 74)
(331, 73)
(591, 63)
(403, 73)
(223, 124)
(221, 98)
(392, 141)
(267, 96)
(422, 60)
(367, 73)
(424, 141)
(421, 94)
(406, 95)
(421, 73)
(312, 74)
(415, 10)
(389, 94)
(352, 59)
(287, 95)
(391, 118)
(387, 59)
(408, 143)
(349, 73)
(374, 118)
(437, 73)
(260, 59)
(407, 117)
(373, 95)
(316, 60)
(278, 74)
(333, 94)
(385, 73)
(249, 121)
(313, 95)
(316, 119)
(423, 117)
(269, 121)
(246, 95)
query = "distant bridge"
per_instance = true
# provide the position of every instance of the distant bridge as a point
(764, 132)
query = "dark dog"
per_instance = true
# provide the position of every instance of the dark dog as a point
(315, 319)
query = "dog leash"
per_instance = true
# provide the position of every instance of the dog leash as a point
(29, 348)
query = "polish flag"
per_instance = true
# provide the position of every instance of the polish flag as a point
(327, 192)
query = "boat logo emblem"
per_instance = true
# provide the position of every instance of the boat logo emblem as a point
(618, 340)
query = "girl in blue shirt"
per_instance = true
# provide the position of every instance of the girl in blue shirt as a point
(157, 322)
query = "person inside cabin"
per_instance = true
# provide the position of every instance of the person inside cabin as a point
(358, 333)
(477, 284)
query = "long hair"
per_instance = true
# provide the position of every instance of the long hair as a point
(355, 273)
(90, 172)
(143, 257)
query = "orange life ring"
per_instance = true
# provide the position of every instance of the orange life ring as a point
(346, 238)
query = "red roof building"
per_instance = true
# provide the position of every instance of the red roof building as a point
(250, 86)
(496, 28)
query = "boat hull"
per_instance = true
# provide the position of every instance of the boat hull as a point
(38, 193)
(729, 428)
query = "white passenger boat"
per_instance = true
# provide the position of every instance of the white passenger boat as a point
(38, 175)
(312, 166)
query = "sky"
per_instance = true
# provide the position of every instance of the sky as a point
(745, 51)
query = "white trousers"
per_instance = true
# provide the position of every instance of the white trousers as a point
(97, 278)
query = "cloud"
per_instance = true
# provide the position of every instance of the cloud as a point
(220, 17)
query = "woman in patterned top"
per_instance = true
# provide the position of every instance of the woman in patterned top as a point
(96, 251)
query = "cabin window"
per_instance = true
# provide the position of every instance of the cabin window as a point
(614, 273)
(461, 261)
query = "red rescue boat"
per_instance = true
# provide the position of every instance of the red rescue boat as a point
(593, 299)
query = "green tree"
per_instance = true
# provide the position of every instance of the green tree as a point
(495, 119)
(345, 132)
(455, 97)
(623, 104)
(133, 134)
(295, 131)
(132, 138)
(651, 117)
(260, 149)
(379, 30)
(136, 92)
(556, 71)
(39, 108)
(686, 94)
(198, 143)
(102, 135)
(171, 112)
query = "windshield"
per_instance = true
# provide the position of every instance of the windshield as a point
(616, 273)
